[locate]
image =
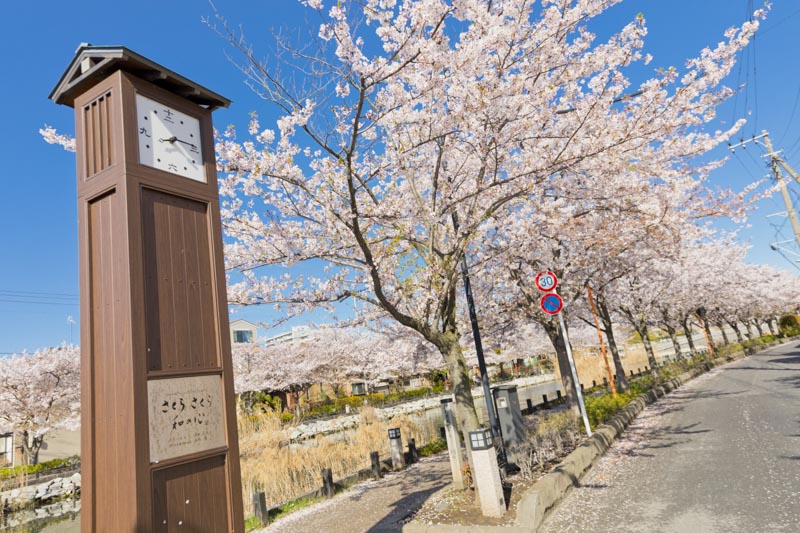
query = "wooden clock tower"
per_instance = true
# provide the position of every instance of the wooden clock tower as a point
(159, 443)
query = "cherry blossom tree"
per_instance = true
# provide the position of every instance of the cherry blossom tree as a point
(40, 392)
(409, 124)
(332, 356)
(421, 120)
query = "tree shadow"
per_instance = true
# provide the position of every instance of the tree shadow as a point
(794, 360)
(594, 485)
(788, 380)
(412, 497)
(664, 437)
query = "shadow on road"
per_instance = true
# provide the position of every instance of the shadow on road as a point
(787, 360)
(680, 398)
(411, 501)
(788, 380)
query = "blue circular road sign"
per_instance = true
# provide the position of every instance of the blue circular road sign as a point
(552, 303)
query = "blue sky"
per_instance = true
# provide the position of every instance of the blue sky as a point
(38, 224)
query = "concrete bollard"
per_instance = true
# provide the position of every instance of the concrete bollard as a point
(396, 446)
(375, 465)
(453, 443)
(487, 473)
(260, 508)
(327, 483)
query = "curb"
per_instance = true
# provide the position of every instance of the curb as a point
(546, 493)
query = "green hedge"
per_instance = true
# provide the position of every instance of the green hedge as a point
(375, 399)
(39, 468)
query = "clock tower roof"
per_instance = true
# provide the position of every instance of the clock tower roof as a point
(93, 63)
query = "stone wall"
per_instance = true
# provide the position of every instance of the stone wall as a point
(36, 495)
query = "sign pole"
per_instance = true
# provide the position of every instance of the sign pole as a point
(575, 382)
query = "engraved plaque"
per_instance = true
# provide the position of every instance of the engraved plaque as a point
(186, 416)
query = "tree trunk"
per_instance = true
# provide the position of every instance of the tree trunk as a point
(721, 326)
(557, 340)
(605, 318)
(757, 324)
(735, 327)
(674, 338)
(30, 448)
(461, 382)
(687, 331)
(771, 328)
(710, 337)
(672, 332)
(749, 329)
(648, 347)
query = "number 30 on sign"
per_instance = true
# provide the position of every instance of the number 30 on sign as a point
(546, 281)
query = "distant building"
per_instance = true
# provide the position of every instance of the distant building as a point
(243, 331)
(6, 448)
(297, 334)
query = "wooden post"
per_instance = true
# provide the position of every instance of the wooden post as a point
(375, 461)
(412, 450)
(159, 441)
(260, 508)
(327, 483)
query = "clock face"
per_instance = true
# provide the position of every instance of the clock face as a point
(169, 140)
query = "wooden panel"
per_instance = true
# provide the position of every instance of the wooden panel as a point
(179, 289)
(97, 145)
(186, 498)
(111, 376)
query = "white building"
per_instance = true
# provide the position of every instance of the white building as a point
(243, 331)
(297, 334)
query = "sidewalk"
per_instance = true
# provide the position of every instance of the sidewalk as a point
(373, 506)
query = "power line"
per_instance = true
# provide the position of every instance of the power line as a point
(791, 116)
(35, 302)
(52, 294)
(778, 23)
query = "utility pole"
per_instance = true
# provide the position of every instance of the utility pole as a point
(776, 162)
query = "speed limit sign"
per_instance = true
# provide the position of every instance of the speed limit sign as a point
(546, 281)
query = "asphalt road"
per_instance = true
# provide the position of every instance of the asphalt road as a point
(721, 454)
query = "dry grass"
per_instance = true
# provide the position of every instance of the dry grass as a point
(284, 470)
(549, 439)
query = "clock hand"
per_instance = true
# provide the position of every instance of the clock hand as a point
(186, 143)
(174, 139)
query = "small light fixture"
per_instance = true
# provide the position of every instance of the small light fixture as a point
(394, 433)
(481, 439)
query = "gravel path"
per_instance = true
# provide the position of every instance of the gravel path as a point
(372, 506)
(719, 454)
